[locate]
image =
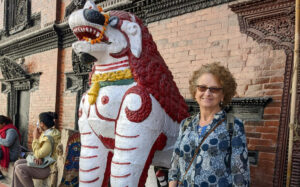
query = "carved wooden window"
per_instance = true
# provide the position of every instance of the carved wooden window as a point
(17, 15)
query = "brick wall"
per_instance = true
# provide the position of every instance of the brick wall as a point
(188, 41)
(63, 6)
(67, 100)
(47, 8)
(43, 99)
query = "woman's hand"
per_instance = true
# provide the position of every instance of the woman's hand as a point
(36, 133)
(38, 161)
(172, 183)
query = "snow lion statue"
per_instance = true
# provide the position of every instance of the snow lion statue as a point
(130, 116)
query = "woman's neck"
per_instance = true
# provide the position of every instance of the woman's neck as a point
(207, 114)
(46, 130)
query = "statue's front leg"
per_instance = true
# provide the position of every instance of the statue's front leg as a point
(135, 144)
(95, 159)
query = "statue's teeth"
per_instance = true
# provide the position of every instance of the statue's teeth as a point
(98, 34)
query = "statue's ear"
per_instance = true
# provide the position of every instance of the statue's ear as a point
(90, 5)
(134, 34)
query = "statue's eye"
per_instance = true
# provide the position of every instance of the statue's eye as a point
(113, 21)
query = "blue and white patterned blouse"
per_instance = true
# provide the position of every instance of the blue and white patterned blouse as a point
(210, 167)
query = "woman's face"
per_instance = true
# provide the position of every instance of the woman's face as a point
(209, 93)
(43, 127)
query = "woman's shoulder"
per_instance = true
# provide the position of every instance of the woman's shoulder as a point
(188, 121)
(238, 124)
(12, 131)
(55, 133)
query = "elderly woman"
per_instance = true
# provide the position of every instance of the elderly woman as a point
(45, 137)
(206, 152)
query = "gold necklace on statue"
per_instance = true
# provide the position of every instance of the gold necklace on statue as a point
(110, 76)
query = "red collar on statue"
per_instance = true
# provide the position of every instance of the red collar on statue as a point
(112, 66)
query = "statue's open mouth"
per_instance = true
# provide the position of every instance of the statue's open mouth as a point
(83, 32)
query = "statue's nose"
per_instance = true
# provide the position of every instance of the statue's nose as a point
(94, 16)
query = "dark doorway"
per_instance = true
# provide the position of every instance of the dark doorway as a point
(23, 115)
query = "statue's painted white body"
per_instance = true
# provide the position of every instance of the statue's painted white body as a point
(126, 125)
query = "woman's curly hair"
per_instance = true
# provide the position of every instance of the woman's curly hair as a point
(223, 75)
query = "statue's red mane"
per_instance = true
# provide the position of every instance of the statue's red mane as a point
(151, 72)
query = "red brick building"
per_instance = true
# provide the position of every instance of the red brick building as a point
(254, 39)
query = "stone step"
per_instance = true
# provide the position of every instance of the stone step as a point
(8, 174)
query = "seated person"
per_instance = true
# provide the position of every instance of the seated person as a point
(9, 142)
(42, 147)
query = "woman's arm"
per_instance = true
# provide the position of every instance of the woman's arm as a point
(41, 150)
(174, 172)
(11, 136)
(239, 159)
